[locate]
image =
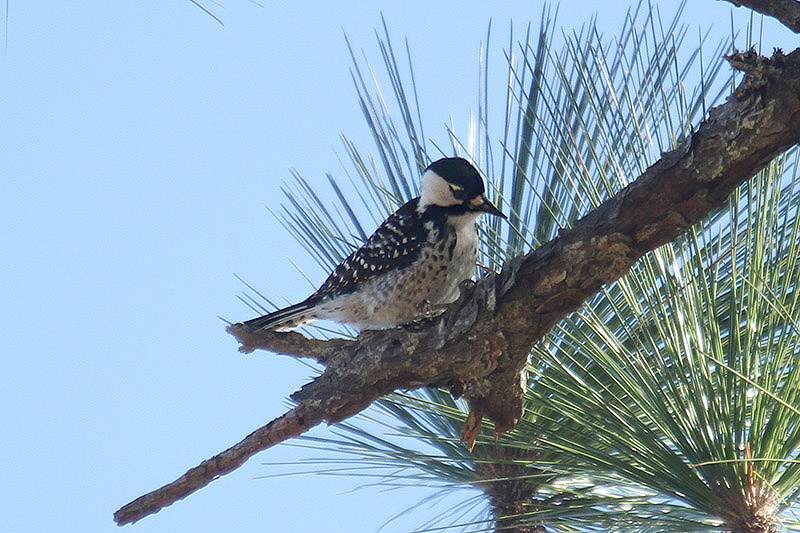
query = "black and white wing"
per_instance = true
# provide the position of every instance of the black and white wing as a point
(395, 244)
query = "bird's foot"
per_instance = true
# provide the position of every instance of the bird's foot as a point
(427, 317)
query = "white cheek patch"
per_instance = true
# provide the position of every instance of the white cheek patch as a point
(434, 190)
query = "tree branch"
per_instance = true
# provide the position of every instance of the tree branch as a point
(481, 344)
(294, 423)
(786, 11)
(289, 343)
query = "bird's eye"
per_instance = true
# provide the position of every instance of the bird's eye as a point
(458, 193)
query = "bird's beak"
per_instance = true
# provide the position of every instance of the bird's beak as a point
(481, 203)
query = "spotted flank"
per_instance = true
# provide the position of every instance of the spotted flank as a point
(395, 244)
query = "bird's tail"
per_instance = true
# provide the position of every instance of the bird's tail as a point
(285, 319)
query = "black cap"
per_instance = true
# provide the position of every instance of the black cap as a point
(460, 173)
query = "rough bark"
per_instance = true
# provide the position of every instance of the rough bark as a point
(786, 11)
(481, 344)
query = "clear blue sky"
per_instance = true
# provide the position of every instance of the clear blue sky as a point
(139, 144)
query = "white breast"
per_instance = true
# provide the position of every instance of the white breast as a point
(465, 255)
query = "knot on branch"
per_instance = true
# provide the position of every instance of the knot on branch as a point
(759, 70)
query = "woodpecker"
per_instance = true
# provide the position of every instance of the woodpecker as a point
(415, 259)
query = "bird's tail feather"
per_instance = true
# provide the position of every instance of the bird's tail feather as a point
(284, 319)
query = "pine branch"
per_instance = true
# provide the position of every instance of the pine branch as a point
(291, 424)
(480, 346)
(785, 11)
(289, 343)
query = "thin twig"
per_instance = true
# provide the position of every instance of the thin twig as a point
(294, 423)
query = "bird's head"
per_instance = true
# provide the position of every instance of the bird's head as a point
(454, 182)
